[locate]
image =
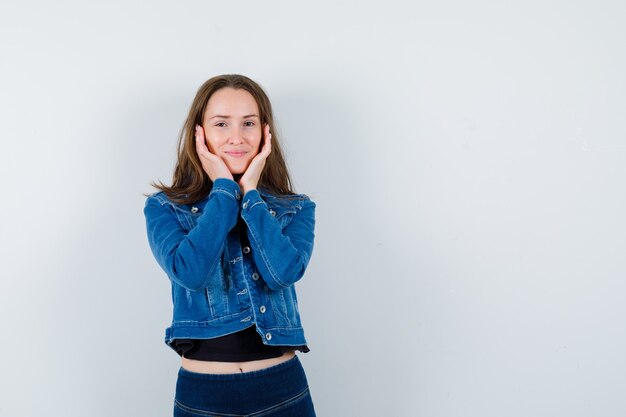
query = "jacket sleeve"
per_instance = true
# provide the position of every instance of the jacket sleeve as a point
(281, 255)
(189, 257)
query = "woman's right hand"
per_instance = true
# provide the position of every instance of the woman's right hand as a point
(213, 165)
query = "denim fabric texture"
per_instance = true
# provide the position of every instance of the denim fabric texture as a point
(278, 391)
(221, 285)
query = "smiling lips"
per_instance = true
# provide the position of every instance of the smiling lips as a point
(236, 154)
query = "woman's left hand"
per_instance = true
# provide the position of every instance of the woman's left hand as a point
(250, 178)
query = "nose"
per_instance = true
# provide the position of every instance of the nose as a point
(236, 137)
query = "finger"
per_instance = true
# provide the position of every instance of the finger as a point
(267, 147)
(201, 141)
(200, 145)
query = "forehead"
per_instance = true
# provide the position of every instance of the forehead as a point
(231, 102)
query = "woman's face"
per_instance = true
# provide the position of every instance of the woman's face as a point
(232, 127)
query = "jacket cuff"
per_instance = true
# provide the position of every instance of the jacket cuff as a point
(252, 199)
(228, 187)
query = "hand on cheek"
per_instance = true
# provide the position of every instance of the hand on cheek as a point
(250, 179)
(212, 164)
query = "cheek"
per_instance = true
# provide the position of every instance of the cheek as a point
(259, 142)
(213, 143)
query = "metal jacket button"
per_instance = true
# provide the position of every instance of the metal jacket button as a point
(262, 309)
(246, 249)
(268, 336)
(245, 205)
(255, 276)
(194, 209)
(272, 212)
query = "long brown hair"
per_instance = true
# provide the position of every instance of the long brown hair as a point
(190, 183)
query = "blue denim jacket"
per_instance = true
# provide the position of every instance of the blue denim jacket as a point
(222, 284)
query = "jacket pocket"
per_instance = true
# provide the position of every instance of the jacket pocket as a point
(283, 306)
(189, 305)
(217, 295)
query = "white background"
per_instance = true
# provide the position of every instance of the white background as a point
(468, 163)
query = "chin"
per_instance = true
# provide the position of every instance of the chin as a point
(238, 170)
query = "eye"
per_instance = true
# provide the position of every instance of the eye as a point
(249, 123)
(220, 124)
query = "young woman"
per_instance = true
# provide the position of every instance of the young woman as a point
(233, 238)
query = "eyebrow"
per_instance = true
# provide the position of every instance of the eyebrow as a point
(228, 117)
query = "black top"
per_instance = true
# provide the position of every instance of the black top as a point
(245, 345)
